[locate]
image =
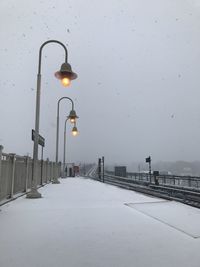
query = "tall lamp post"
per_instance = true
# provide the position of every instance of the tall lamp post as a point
(74, 133)
(65, 74)
(72, 117)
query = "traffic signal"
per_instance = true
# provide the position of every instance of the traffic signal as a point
(148, 160)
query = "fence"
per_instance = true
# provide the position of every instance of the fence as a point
(16, 174)
(171, 180)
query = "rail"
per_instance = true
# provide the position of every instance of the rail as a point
(168, 190)
(175, 180)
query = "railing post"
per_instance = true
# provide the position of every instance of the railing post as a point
(41, 179)
(1, 151)
(27, 173)
(54, 172)
(189, 181)
(99, 168)
(51, 171)
(44, 169)
(60, 169)
(47, 170)
(103, 162)
(13, 158)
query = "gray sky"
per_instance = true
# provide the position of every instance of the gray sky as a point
(138, 88)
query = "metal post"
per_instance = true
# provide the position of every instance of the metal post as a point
(13, 157)
(148, 160)
(150, 170)
(46, 171)
(139, 170)
(42, 166)
(60, 168)
(57, 124)
(64, 153)
(1, 151)
(51, 170)
(99, 168)
(34, 193)
(103, 168)
(56, 181)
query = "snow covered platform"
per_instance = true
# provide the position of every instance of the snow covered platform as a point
(84, 223)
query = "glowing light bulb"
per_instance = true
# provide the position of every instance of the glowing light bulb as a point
(72, 120)
(65, 82)
(74, 132)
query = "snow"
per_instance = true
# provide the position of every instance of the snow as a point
(168, 213)
(84, 223)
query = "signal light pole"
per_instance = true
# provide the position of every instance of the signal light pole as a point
(148, 160)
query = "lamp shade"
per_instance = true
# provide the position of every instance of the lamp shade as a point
(66, 72)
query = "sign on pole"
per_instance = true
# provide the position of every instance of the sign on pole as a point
(41, 140)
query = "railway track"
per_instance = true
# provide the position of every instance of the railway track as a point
(189, 196)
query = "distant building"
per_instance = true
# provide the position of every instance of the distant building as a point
(69, 170)
(76, 170)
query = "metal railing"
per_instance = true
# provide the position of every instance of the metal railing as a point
(16, 174)
(180, 188)
(171, 180)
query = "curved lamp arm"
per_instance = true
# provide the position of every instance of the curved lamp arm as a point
(58, 106)
(40, 52)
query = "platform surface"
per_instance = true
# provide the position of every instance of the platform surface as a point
(85, 223)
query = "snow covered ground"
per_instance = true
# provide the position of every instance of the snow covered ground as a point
(84, 223)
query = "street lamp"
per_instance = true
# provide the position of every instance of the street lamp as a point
(64, 74)
(72, 117)
(74, 130)
(64, 151)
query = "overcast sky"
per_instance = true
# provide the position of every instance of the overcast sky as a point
(138, 86)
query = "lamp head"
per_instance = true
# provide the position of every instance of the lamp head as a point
(65, 74)
(72, 116)
(74, 131)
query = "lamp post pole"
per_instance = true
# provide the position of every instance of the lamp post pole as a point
(64, 152)
(72, 116)
(57, 125)
(34, 193)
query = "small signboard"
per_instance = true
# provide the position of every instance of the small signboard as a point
(120, 171)
(41, 140)
(148, 160)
